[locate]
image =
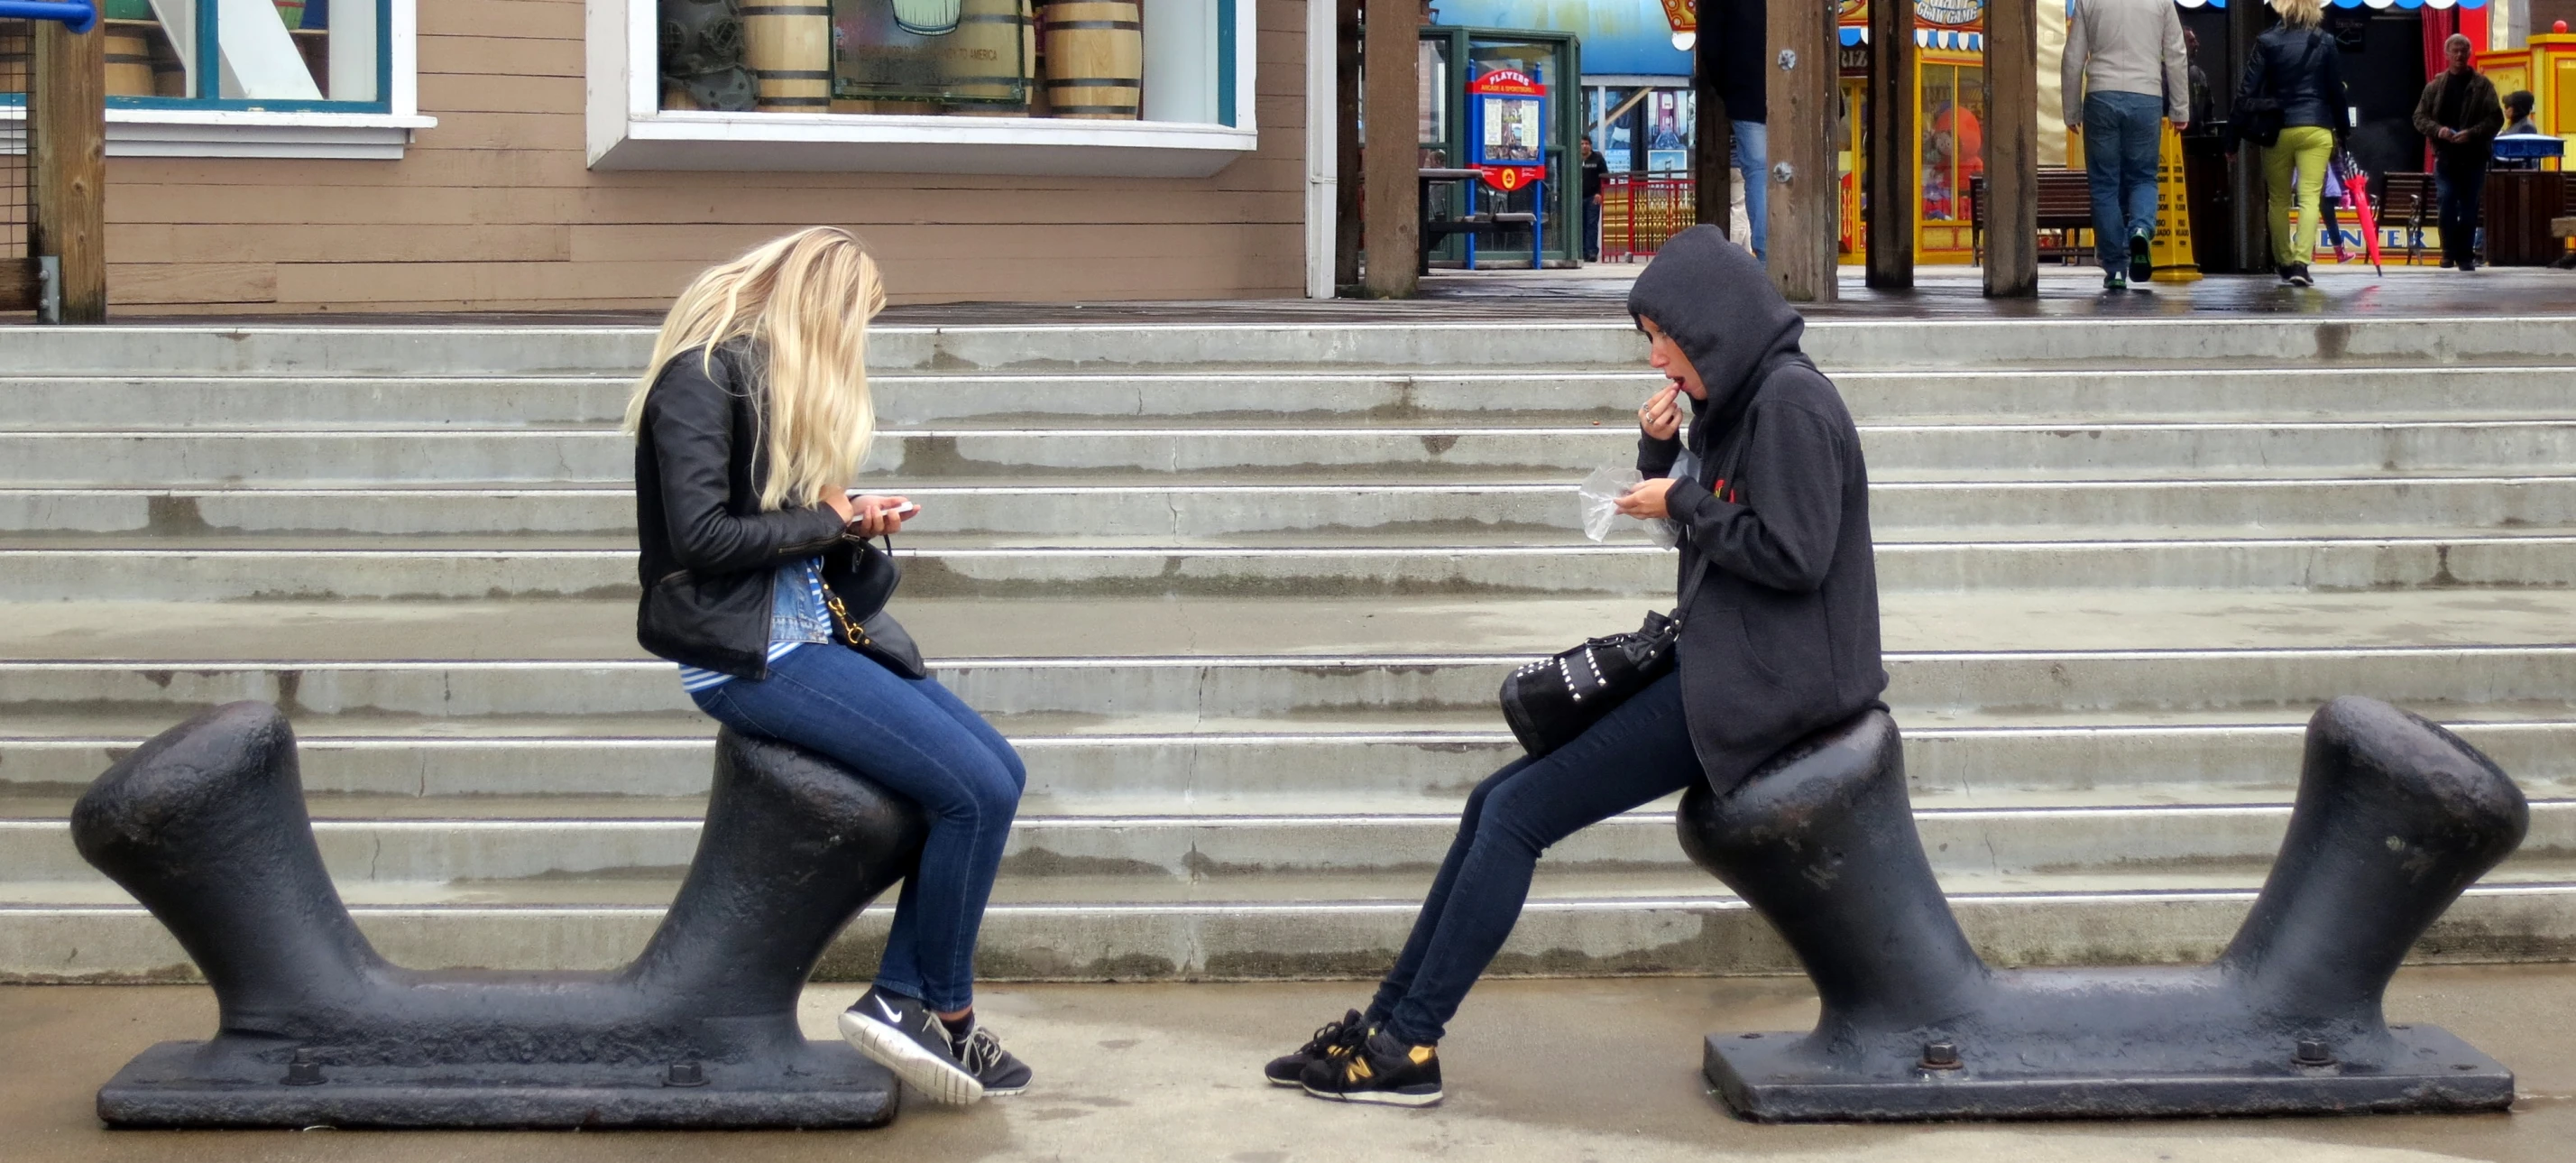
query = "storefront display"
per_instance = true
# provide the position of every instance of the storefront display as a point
(1949, 117)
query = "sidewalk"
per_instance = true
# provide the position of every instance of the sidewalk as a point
(1537, 1070)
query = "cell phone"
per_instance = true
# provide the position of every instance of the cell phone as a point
(904, 510)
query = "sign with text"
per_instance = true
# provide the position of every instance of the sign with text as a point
(1508, 111)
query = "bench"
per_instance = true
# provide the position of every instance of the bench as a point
(2065, 208)
(2408, 198)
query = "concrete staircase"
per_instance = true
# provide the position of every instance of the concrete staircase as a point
(1242, 596)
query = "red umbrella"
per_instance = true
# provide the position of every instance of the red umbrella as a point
(2356, 194)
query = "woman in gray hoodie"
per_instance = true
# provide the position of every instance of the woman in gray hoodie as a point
(1779, 639)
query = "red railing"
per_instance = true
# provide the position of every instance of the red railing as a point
(1638, 214)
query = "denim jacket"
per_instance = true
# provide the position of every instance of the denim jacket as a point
(796, 609)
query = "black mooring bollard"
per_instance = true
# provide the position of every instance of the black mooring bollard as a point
(2395, 817)
(206, 826)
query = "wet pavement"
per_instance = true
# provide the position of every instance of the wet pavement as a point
(1550, 1070)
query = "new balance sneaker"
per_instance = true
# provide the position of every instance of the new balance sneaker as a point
(902, 1035)
(2141, 268)
(1332, 1038)
(983, 1056)
(1380, 1070)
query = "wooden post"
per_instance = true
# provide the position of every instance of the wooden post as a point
(67, 164)
(1889, 182)
(1346, 192)
(1391, 162)
(1806, 201)
(2249, 249)
(2012, 149)
(1712, 135)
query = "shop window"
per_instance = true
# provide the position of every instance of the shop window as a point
(1143, 86)
(256, 78)
(1953, 145)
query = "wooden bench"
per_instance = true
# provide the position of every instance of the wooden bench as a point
(2408, 198)
(2065, 210)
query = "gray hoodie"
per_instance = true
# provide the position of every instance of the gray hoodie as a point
(1781, 637)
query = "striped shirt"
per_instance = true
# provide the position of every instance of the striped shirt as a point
(796, 600)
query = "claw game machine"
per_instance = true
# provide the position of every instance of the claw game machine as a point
(1948, 151)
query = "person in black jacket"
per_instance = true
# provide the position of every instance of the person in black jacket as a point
(1779, 640)
(759, 582)
(2459, 111)
(2297, 66)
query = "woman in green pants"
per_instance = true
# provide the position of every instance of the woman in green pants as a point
(2294, 64)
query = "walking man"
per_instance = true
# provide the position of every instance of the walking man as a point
(1596, 175)
(2124, 73)
(2459, 111)
(1744, 63)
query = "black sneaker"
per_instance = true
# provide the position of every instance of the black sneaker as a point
(902, 1035)
(1333, 1038)
(2141, 268)
(983, 1056)
(2299, 275)
(1379, 1070)
(2114, 282)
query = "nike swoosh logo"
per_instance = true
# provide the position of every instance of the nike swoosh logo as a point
(892, 1018)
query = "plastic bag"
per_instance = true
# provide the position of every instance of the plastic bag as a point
(1601, 517)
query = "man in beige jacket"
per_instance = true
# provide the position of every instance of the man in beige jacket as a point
(2124, 71)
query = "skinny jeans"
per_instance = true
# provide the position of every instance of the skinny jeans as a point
(1635, 755)
(919, 741)
(2301, 152)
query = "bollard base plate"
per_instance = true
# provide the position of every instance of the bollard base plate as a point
(174, 1085)
(1770, 1078)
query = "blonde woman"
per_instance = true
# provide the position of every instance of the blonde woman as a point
(754, 413)
(2292, 104)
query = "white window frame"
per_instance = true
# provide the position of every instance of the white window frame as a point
(164, 132)
(629, 130)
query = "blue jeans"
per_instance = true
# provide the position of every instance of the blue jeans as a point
(2123, 139)
(1753, 158)
(1591, 230)
(1636, 754)
(920, 742)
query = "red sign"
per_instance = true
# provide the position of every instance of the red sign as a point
(1508, 82)
(1509, 126)
(1510, 178)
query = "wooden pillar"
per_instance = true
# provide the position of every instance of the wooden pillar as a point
(67, 164)
(1392, 158)
(1346, 192)
(1712, 135)
(2249, 251)
(1889, 190)
(2012, 148)
(1806, 203)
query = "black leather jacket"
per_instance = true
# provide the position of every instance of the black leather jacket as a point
(2303, 70)
(708, 551)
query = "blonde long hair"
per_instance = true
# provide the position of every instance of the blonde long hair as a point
(2300, 13)
(805, 301)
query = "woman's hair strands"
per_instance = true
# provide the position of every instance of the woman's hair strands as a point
(804, 301)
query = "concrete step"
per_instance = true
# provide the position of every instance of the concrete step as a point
(357, 351)
(363, 766)
(1325, 927)
(1230, 857)
(1355, 512)
(2218, 393)
(2089, 451)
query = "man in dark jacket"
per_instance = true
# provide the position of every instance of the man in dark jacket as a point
(1778, 639)
(1596, 177)
(1743, 55)
(1781, 638)
(2459, 111)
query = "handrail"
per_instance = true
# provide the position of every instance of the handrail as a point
(77, 15)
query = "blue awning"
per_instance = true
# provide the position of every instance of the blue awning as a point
(1949, 38)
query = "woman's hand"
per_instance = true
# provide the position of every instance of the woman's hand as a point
(1661, 417)
(877, 516)
(842, 505)
(1647, 500)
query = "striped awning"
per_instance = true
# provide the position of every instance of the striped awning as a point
(2406, 4)
(1950, 38)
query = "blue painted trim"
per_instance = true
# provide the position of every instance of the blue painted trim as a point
(1225, 68)
(210, 58)
(210, 74)
(77, 15)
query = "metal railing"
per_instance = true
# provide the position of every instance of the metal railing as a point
(40, 229)
(1638, 214)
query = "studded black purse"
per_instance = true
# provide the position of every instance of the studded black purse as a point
(1550, 701)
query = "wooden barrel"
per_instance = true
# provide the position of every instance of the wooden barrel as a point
(129, 61)
(789, 48)
(17, 55)
(991, 60)
(1095, 59)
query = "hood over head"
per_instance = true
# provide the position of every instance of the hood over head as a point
(1716, 301)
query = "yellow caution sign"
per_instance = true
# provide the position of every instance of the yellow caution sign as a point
(2170, 249)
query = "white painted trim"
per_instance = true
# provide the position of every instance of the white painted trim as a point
(628, 130)
(1323, 152)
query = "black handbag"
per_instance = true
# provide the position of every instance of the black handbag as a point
(869, 582)
(1549, 702)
